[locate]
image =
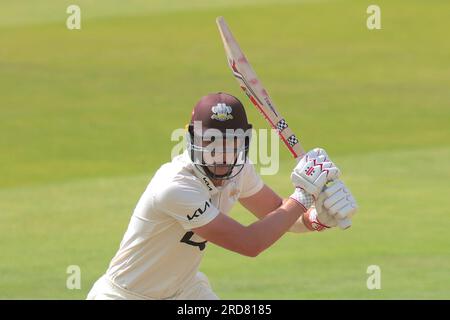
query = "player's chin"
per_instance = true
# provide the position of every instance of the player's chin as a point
(222, 170)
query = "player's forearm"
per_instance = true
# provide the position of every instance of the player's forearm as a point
(299, 226)
(265, 232)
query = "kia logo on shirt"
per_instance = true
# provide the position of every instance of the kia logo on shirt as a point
(199, 211)
(207, 184)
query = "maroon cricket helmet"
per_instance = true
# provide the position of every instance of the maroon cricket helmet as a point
(219, 135)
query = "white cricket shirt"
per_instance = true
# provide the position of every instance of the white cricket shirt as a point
(159, 254)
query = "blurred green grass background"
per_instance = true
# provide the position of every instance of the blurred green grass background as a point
(86, 118)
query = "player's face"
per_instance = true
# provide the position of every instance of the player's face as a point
(221, 155)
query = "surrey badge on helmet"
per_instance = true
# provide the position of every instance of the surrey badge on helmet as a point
(221, 112)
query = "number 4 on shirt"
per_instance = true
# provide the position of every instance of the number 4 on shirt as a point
(187, 239)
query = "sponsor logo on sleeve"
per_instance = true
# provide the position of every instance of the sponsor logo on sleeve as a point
(197, 213)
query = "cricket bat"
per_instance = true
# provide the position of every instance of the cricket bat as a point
(255, 91)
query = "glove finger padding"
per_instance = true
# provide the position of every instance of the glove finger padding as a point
(347, 211)
(338, 201)
(336, 208)
(323, 218)
(333, 173)
(329, 190)
(335, 198)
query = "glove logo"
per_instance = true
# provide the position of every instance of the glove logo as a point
(309, 171)
(312, 164)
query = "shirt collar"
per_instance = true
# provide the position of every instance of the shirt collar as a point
(212, 189)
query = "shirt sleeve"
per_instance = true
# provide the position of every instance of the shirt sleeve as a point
(189, 203)
(252, 182)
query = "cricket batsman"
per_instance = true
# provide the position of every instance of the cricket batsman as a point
(187, 202)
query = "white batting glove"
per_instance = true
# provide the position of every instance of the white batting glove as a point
(338, 201)
(313, 171)
(333, 206)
